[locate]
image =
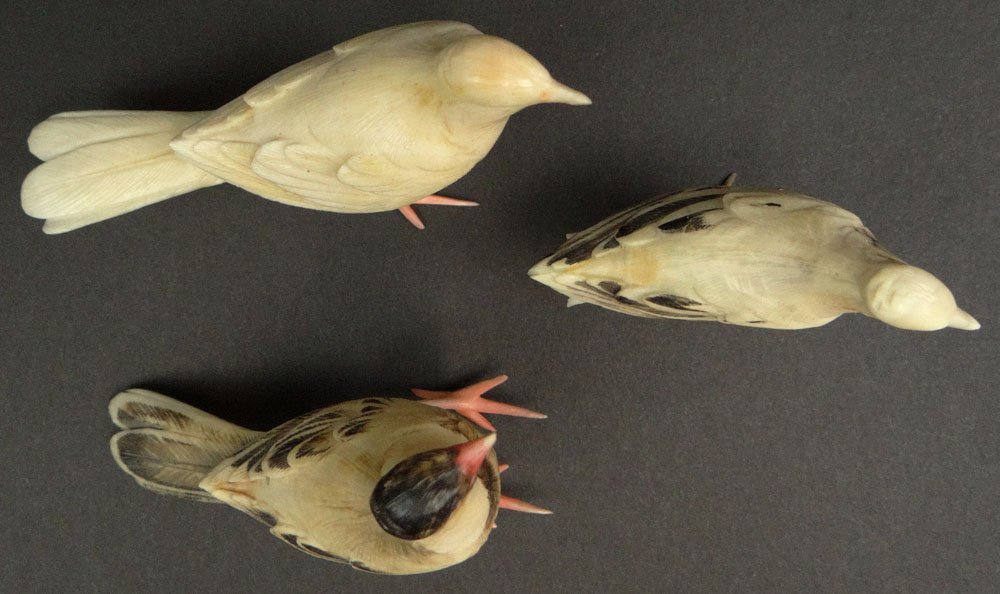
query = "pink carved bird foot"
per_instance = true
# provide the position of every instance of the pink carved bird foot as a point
(411, 215)
(469, 402)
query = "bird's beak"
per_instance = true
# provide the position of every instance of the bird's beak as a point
(963, 321)
(560, 93)
(472, 453)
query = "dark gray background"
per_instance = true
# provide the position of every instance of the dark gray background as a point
(678, 456)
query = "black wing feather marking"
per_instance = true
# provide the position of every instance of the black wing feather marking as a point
(313, 446)
(578, 253)
(357, 424)
(656, 214)
(674, 302)
(353, 428)
(263, 517)
(253, 456)
(606, 294)
(603, 296)
(607, 232)
(691, 222)
(293, 540)
(307, 435)
(610, 286)
(279, 456)
(362, 567)
(325, 554)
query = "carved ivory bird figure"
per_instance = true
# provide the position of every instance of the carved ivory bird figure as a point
(377, 123)
(387, 485)
(747, 256)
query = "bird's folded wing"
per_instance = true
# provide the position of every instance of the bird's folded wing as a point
(643, 301)
(300, 442)
(231, 161)
(310, 172)
(210, 145)
(300, 168)
(289, 447)
(379, 175)
(683, 211)
(361, 181)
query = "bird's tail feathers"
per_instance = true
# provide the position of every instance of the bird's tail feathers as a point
(168, 446)
(100, 164)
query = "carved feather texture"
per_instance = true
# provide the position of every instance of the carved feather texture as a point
(103, 164)
(747, 256)
(309, 479)
(168, 446)
(374, 124)
(314, 476)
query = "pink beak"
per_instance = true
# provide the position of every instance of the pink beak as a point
(472, 453)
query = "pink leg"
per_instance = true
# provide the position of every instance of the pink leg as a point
(469, 402)
(411, 216)
(516, 504)
(445, 201)
(521, 506)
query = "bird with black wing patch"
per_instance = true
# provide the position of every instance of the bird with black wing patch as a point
(756, 257)
(387, 485)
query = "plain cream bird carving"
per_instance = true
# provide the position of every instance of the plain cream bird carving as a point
(747, 256)
(387, 485)
(377, 123)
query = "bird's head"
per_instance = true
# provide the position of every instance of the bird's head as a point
(421, 495)
(913, 299)
(492, 72)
